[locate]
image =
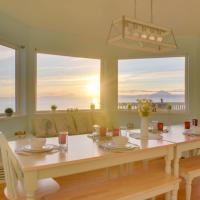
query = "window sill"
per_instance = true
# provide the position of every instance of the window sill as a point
(65, 111)
(14, 116)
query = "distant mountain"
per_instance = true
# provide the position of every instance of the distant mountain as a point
(156, 97)
(161, 94)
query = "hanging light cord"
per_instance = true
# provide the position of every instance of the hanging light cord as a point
(135, 9)
(151, 16)
(151, 10)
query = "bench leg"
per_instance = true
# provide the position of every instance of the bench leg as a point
(188, 188)
(168, 196)
(175, 194)
(130, 168)
(108, 172)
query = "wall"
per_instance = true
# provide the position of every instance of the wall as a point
(77, 45)
(15, 33)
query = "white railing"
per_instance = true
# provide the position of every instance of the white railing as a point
(175, 106)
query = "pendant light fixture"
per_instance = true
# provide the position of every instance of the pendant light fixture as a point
(134, 34)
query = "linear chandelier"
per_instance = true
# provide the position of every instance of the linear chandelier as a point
(134, 34)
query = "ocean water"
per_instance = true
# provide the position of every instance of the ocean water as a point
(63, 103)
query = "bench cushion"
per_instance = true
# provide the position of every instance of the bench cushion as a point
(44, 127)
(65, 123)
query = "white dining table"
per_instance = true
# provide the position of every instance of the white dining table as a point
(83, 155)
(183, 143)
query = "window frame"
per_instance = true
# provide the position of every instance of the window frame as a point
(17, 74)
(37, 51)
(186, 74)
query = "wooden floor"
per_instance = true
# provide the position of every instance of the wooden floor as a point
(61, 181)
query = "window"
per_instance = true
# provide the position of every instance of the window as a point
(160, 79)
(67, 82)
(7, 78)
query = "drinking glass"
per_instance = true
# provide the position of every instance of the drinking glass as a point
(187, 124)
(154, 125)
(63, 140)
(160, 126)
(195, 122)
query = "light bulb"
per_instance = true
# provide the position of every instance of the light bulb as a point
(152, 37)
(144, 36)
(159, 39)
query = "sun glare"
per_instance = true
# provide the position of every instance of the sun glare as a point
(93, 89)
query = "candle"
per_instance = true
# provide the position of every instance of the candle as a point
(115, 132)
(187, 124)
(63, 137)
(62, 140)
(160, 126)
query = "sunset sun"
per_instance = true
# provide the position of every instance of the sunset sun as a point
(93, 89)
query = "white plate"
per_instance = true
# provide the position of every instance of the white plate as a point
(45, 148)
(113, 146)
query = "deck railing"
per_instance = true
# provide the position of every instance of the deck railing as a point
(175, 106)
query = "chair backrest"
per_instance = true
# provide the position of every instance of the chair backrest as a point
(11, 169)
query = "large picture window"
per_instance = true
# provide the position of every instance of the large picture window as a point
(160, 79)
(67, 82)
(7, 78)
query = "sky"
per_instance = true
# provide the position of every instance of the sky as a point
(150, 75)
(7, 71)
(75, 79)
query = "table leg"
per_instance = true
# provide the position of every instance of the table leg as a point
(188, 188)
(175, 192)
(176, 166)
(30, 184)
(176, 162)
(130, 168)
(168, 196)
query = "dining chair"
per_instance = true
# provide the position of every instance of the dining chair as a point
(14, 177)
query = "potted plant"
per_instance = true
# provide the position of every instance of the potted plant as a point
(8, 112)
(92, 106)
(129, 106)
(53, 107)
(169, 107)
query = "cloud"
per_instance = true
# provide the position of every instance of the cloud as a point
(151, 76)
(66, 63)
(6, 52)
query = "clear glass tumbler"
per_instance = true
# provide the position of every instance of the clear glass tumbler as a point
(63, 140)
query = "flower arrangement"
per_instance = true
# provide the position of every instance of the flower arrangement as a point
(92, 106)
(145, 107)
(8, 112)
(169, 107)
(129, 106)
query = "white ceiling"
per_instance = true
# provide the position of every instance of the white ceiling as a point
(93, 17)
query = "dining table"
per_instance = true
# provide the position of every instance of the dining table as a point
(83, 154)
(185, 141)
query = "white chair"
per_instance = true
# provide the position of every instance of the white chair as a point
(14, 177)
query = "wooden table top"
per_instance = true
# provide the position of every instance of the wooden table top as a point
(80, 149)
